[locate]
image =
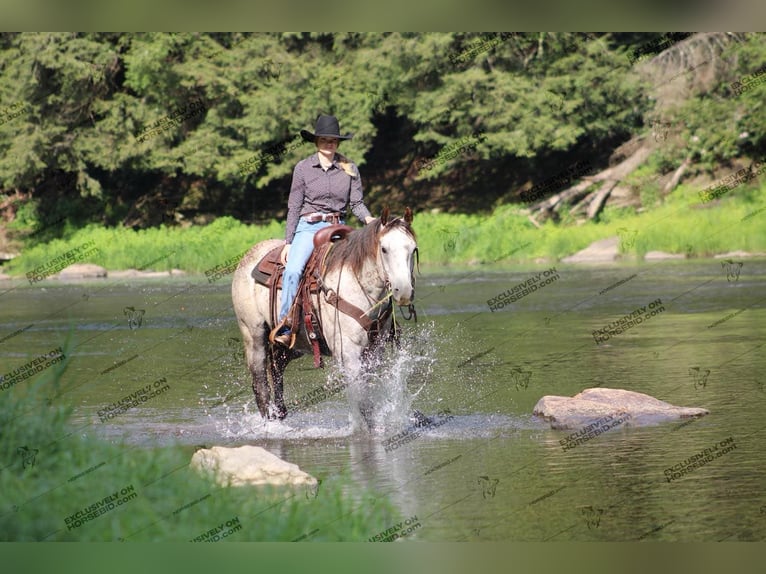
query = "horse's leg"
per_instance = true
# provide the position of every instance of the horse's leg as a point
(367, 411)
(370, 366)
(251, 306)
(278, 359)
(255, 354)
(355, 371)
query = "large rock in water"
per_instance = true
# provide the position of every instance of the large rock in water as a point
(248, 465)
(662, 256)
(601, 251)
(593, 404)
(82, 271)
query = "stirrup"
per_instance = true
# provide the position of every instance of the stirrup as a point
(285, 339)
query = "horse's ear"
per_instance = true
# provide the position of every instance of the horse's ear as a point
(384, 216)
(408, 215)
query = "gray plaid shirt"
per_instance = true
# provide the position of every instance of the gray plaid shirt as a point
(316, 190)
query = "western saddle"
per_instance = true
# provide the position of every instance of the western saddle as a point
(269, 272)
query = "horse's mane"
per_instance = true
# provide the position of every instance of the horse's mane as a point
(362, 244)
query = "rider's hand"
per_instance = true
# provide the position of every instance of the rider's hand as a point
(283, 255)
(368, 220)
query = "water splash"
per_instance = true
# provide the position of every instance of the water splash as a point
(381, 400)
(377, 402)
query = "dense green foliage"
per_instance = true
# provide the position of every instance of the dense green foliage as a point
(174, 503)
(538, 99)
(492, 113)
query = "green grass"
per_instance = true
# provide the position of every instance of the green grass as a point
(679, 225)
(192, 249)
(35, 501)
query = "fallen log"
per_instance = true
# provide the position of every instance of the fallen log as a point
(610, 176)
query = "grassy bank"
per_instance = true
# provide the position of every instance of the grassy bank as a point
(48, 473)
(682, 224)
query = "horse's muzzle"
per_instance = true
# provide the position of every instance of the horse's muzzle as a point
(401, 300)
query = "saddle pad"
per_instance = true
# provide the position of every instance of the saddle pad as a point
(267, 266)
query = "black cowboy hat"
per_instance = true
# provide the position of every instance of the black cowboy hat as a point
(326, 126)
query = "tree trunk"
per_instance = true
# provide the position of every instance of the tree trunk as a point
(671, 185)
(598, 201)
(610, 176)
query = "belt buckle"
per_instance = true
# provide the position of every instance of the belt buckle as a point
(324, 217)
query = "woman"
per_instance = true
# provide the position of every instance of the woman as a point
(324, 184)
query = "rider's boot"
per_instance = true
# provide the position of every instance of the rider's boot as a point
(283, 334)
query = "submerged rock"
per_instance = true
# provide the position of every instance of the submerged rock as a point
(738, 253)
(596, 403)
(248, 465)
(601, 251)
(131, 273)
(662, 256)
(82, 271)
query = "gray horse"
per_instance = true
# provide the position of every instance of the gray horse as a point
(364, 269)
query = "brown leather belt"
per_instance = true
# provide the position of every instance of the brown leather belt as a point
(317, 217)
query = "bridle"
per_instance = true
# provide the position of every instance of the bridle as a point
(388, 297)
(385, 304)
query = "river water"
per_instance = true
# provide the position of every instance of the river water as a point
(486, 469)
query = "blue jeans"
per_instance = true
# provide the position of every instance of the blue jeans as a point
(300, 251)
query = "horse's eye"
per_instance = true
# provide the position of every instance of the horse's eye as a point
(384, 250)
